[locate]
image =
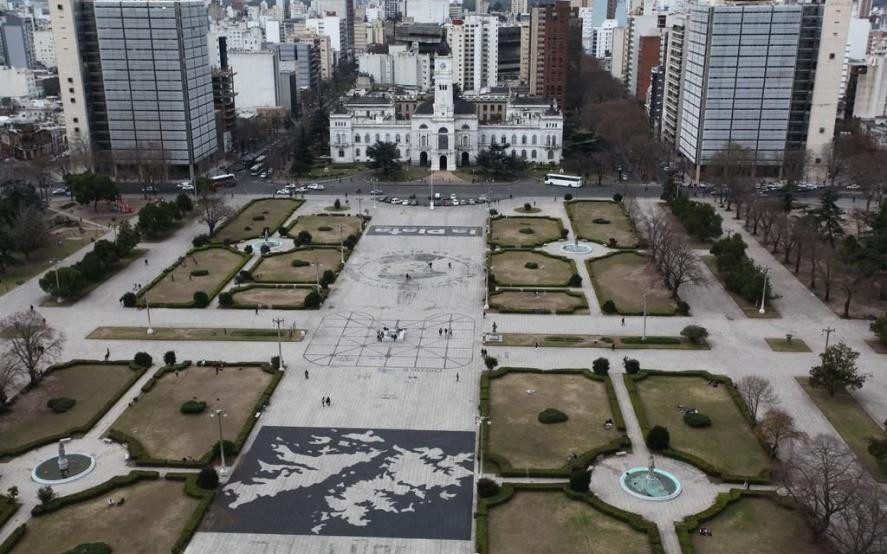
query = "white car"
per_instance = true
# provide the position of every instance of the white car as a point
(59, 191)
(186, 186)
(315, 186)
(376, 192)
(284, 192)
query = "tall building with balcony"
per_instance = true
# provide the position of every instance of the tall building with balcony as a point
(555, 49)
(475, 45)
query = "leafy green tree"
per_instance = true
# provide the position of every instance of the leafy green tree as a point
(70, 282)
(385, 157)
(837, 370)
(879, 328)
(303, 158)
(157, 218)
(184, 202)
(497, 160)
(828, 215)
(91, 187)
(14, 197)
(127, 238)
(729, 252)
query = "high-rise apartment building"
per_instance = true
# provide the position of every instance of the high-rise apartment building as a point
(16, 42)
(509, 53)
(474, 42)
(135, 79)
(555, 49)
(672, 70)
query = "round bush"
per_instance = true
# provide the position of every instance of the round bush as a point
(349, 242)
(494, 211)
(304, 237)
(608, 307)
(601, 221)
(264, 249)
(601, 366)
(225, 299)
(697, 420)
(575, 280)
(631, 365)
(568, 197)
(90, 548)
(658, 438)
(531, 265)
(192, 407)
(526, 231)
(527, 206)
(143, 359)
(201, 299)
(612, 243)
(247, 228)
(60, 405)
(208, 478)
(129, 299)
(199, 272)
(696, 334)
(243, 276)
(169, 357)
(580, 479)
(312, 300)
(258, 218)
(300, 263)
(564, 233)
(617, 197)
(324, 228)
(248, 249)
(552, 415)
(230, 449)
(200, 240)
(487, 487)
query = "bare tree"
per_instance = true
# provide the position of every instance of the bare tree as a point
(680, 265)
(11, 373)
(732, 168)
(861, 528)
(755, 391)
(42, 170)
(27, 230)
(212, 207)
(656, 232)
(776, 427)
(32, 343)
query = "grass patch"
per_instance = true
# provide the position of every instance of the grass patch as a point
(95, 386)
(623, 278)
(134, 255)
(163, 433)
(523, 232)
(509, 268)
(317, 225)
(584, 213)
(175, 287)
(242, 226)
(596, 341)
(278, 268)
(406, 173)
(274, 297)
(728, 448)
(782, 345)
(877, 345)
(8, 508)
(335, 171)
(195, 334)
(538, 301)
(749, 309)
(851, 421)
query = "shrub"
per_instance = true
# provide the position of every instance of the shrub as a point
(683, 308)
(694, 333)
(201, 299)
(90, 548)
(486, 487)
(258, 218)
(304, 237)
(327, 278)
(531, 265)
(312, 300)
(129, 299)
(601, 221)
(248, 249)
(192, 407)
(568, 197)
(350, 242)
(184, 203)
(526, 231)
(608, 307)
(337, 204)
(580, 479)
(494, 211)
(230, 449)
(617, 197)
(612, 243)
(552, 415)
(697, 420)
(564, 233)
(199, 272)
(631, 365)
(658, 438)
(200, 240)
(601, 366)
(575, 280)
(275, 362)
(243, 276)
(208, 478)
(45, 494)
(527, 206)
(491, 362)
(143, 359)
(879, 328)
(264, 249)
(226, 299)
(169, 357)
(324, 228)
(300, 263)
(60, 405)
(247, 228)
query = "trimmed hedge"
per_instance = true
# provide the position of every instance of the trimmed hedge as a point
(552, 415)
(631, 384)
(193, 407)
(199, 272)
(539, 242)
(99, 490)
(60, 405)
(8, 508)
(194, 491)
(82, 429)
(271, 228)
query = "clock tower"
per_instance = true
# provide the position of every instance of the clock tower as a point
(443, 82)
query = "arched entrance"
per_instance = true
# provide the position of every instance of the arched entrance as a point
(423, 159)
(465, 158)
(443, 163)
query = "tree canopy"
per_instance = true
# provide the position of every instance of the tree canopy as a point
(385, 157)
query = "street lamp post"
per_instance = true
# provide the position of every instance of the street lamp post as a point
(278, 322)
(431, 198)
(341, 246)
(644, 333)
(481, 420)
(219, 414)
(764, 292)
(150, 330)
(317, 266)
(58, 286)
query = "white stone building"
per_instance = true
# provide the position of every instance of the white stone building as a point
(445, 133)
(44, 48)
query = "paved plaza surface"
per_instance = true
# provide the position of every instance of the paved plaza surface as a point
(389, 466)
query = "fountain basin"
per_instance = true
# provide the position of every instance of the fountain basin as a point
(257, 244)
(576, 248)
(647, 484)
(47, 472)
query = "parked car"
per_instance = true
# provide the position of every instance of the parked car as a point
(149, 189)
(61, 191)
(375, 192)
(315, 186)
(284, 192)
(185, 186)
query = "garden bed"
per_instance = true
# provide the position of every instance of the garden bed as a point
(624, 277)
(275, 297)
(254, 217)
(279, 268)
(524, 232)
(196, 334)
(542, 301)
(205, 269)
(324, 228)
(602, 220)
(783, 345)
(596, 341)
(530, 268)
(121, 264)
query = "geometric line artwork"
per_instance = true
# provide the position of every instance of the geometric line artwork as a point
(392, 483)
(350, 339)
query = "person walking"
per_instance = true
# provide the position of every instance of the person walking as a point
(457, 376)
(146, 261)
(107, 354)
(440, 331)
(323, 401)
(495, 326)
(623, 322)
(328, 401)
(306, 374)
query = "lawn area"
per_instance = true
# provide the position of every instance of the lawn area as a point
(277, 297)
(549, 522)
(516, 434)
(166, 434)
(748, 308)
(324, 229)
(121, 264)
(148, 522)
(193, 333)
(278, 268)
(61, 244)
(478, 175)
(729, 445)
(538, 301)
(510, 268)
(176, 286)
(522, 232)
(623, 278)
(851, 421)
(334, 171)
(595, 341)
(756, 524)
(406, 173)
(249, 222)
(782, 345)
(93, 385)
(583, 214)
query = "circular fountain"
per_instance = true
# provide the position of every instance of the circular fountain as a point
(576, 247)
(272, 244)
(63, 468)
(649, 483)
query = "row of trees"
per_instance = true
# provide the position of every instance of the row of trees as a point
(699, 219)
(741, 275)
(158, 218)
(90, 188)
(669, 249)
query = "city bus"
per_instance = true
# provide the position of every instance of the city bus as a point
(257, 169)
(558, 180)
(226, 180)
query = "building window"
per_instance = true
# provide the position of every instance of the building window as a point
(70, 80)
(831, 56)
(366, 138)
(534, 140)
(341, 153)
(822, 130)
(357, 152)
(523, 154)
(77, 130)
(533, 154)
(523, 140)
(551, 154)
(58, 7)
(356, 138)
(377, 137)
(72, 100)
(513, 139)
(76, 119)
(397, 139)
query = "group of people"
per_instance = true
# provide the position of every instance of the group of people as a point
(392, 334)
(608, 424)
(445, 332)
(325, 401)
(704, 531)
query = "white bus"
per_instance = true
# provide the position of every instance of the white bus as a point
(558, 180)
(227, 180)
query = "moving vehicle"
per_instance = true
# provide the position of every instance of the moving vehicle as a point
(558, 180)
(226, 180)
(315, 186)
(284, 192)
(375, 192)
(185, 186)
(60, 191)
(256, 169)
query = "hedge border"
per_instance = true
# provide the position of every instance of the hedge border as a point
(631, 225)
(722, 500)
(556, 311)
(585, 458)
(491, 276)
(262, 285)
(365, 220)
(80, 429)
(507, 491)
(538, 243)
(337, 271)
(212, 293)
(193, 490)
(631, 384)
(139, 455)
(233, 218)
(598, 291)
(8, 508)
